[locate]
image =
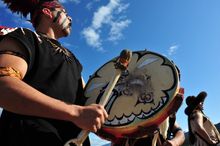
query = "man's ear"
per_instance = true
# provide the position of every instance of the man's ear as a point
(47, 12)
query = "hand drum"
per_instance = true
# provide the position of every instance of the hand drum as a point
(143, 97)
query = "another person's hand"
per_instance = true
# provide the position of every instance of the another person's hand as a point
(214, 140)
(90, 117)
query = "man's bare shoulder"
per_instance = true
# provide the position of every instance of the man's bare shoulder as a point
(10, 44)
(196, 114)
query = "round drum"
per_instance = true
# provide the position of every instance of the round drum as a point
(142, 99)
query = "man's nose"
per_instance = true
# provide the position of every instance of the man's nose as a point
(70, 18)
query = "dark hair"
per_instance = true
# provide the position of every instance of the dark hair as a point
(193, 102)
(36, 20)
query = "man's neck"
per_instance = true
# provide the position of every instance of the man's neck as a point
(49, 33)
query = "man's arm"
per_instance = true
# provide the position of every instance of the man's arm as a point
(198, 123)
(178, 138)
(19, 97)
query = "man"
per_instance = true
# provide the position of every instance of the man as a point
(40, 81)
(201, 130)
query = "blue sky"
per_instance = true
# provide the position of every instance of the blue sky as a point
(185, 31)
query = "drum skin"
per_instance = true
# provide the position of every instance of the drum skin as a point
(142, 99)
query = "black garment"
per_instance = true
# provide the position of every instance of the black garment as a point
(147, 141)
(54, 71)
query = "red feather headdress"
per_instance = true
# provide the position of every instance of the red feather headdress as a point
(25, 7)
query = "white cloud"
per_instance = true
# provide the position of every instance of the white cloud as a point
(66, 1)
(108, 16)
(122, 7)
(100, 17)
(2, 5)
(172, 49)
(89, 5)
(115, 32)
(92, 37)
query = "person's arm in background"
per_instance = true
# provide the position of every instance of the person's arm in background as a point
(19, 97)
(198, 124)
(178, 138)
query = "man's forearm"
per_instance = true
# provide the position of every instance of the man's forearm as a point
(202, 133)
(179, 138)
(18, 97)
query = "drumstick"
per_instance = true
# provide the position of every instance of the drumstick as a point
(120, 65)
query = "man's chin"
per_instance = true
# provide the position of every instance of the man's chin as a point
(66, 32)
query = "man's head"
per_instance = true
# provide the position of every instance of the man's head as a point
(195, 103)
(55, 18)
(37, 11)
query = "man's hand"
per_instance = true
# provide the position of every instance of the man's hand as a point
(90, 117)
(214, 140)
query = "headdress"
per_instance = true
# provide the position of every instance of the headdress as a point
(192, 102)
(4, 30)
(25, 7)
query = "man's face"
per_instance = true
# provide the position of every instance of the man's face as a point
(200, 105)
(62, 20)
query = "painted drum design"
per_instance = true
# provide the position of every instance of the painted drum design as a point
(143, 97)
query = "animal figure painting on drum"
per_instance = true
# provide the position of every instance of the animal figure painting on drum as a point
(143, 97)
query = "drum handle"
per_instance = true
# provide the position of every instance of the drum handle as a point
(110, 87)
(120, 65)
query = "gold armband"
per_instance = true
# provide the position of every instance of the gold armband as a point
(9, 71)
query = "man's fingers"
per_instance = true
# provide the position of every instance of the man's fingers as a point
(102, 114)
(94, 129)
